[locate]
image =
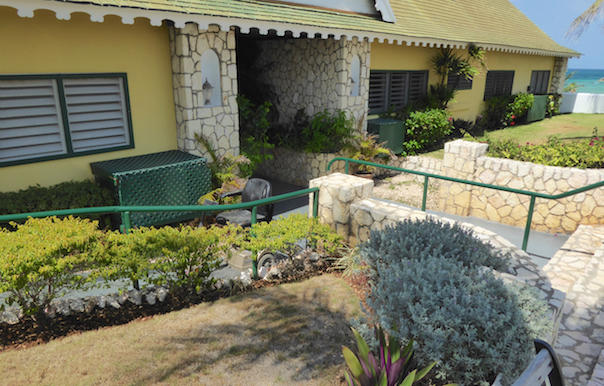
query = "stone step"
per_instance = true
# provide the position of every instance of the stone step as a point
(581, 336)
(597, 376)
(572, 259)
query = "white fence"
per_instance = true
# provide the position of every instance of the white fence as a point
(582, 103)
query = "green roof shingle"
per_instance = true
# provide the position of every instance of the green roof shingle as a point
(497, 24)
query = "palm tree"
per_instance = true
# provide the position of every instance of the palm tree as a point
(580, 24)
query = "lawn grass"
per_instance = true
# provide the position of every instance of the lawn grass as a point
(565, 126)
(290, 334)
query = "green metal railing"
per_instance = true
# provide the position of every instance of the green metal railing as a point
(174, 208)
(533, 195)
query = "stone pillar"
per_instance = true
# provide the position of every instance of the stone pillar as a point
(459, 162)
(218, 123)
(337, 192)
(559, 75)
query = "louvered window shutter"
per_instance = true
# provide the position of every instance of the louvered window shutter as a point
(398, 90)
(498, 83)
(378, 91)
(417, 85)
(97, 113)
(30, 120)
(539, 82)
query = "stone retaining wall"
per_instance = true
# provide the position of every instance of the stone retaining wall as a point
(299, 167)
(467, 160)
(345, 204)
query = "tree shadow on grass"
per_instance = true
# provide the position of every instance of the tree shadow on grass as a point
(274, 333)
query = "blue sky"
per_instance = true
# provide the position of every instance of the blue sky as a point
(555, 16)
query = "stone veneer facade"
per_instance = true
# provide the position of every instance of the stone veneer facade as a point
(346, 205)
(314, 75)
(218, 123)
(559, 75)
(467, 160)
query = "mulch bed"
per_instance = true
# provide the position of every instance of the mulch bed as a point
(27, 333)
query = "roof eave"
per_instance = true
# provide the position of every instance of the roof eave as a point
(63, 11)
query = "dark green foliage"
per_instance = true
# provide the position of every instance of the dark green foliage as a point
(426, 129)
(254, 126)
(463, 127)
(290, 135)
(429, 283)
(66, 195)
(506, 110)
(327, 131)
(494, 116)
(587, 154)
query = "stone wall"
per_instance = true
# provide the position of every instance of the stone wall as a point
(315, 75)
(466, 160)
(345, 204)
(219, 123)
(298, 167)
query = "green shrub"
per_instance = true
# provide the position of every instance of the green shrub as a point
(40, 261)
(426, 129)
(428, 283)
(282, 235)
(66, 195)
(326, 132)
(580, 154)
(553, 105)
(506, 110)
(518, 108)
(179, 258)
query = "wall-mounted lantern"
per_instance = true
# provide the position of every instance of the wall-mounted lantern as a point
(355, 75)
(210, 70)
(207, 92)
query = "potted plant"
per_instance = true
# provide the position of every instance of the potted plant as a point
(364, 147)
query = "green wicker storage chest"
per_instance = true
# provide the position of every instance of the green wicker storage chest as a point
(390, 131)
(168, 178)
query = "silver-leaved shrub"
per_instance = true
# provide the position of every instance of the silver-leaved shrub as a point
(428, 283)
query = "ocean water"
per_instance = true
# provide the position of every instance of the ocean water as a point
(589, 79)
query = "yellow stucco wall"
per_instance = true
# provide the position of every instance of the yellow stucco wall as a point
(43, 44)
(468, 103)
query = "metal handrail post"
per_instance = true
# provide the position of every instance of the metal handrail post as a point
(425, 198)
(527, 228)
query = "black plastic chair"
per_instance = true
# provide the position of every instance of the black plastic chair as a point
(255, 189)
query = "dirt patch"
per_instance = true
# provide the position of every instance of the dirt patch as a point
(404, 188)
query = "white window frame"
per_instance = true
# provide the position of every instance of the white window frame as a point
(53, 116)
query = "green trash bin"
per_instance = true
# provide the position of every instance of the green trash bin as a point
(537, 112)
(169, 178)
(390, 131)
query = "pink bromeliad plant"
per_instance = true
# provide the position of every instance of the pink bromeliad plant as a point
(391, 368)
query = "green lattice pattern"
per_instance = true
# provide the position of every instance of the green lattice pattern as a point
(168, 178)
